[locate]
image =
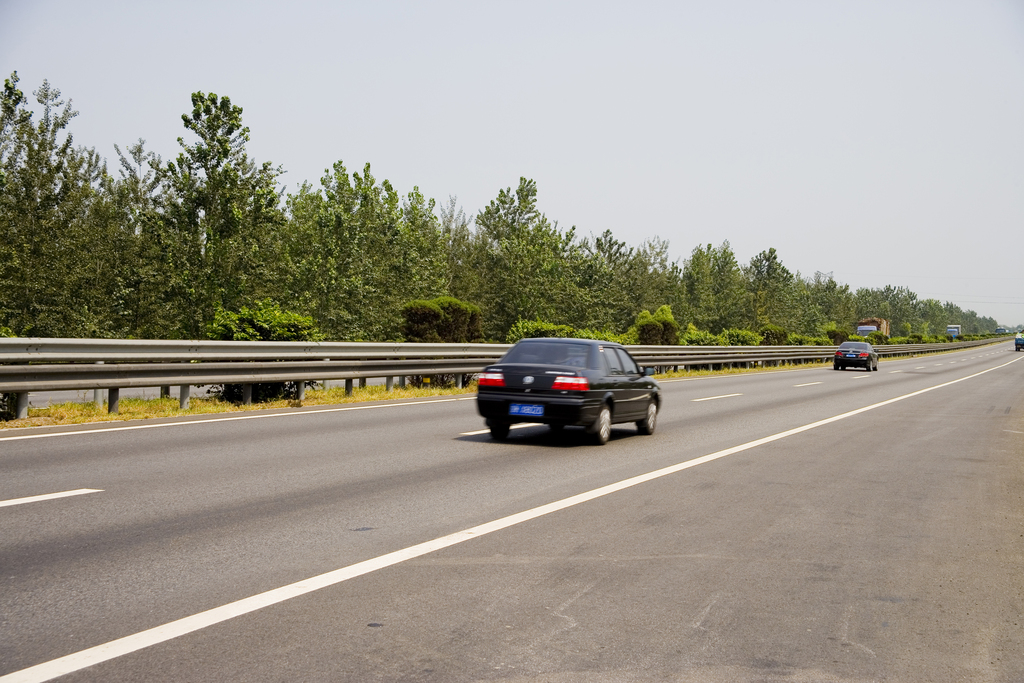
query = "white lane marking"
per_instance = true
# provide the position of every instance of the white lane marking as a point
(712, 398)
(920, 367)
(47, 496)
(233, 418)
(862, 377)
(1012, 431)
(893, 372)
(488, 431)
(809, 384)
(174, 629)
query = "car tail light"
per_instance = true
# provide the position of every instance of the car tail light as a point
(839, 353)
(864, 355)
(571, 384)
(491, 379)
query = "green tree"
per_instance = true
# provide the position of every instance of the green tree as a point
(51, 255)
(220, 217)
(770, 292)
(714, 288)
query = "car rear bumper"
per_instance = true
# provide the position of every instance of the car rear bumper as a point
(567, 410)
(852, 362)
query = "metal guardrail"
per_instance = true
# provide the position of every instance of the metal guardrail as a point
(37, 364)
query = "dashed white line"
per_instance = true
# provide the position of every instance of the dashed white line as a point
(488, 431)
(809, 384)
(893, 372)
(712, 398)
(47, 496)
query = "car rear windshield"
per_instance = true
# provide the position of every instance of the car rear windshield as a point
(549, 353)
(859, 346)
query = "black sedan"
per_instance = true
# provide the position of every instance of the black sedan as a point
(562, 382)
(857, 355)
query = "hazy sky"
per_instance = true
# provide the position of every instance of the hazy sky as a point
(879, 141)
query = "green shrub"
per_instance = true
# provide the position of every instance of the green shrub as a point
(695, 337)
(807, 340)
(877, 338)
(855, 337)
(529, 329)
(648, 329)
(422, 320)
(669, 326)
(736, 337)
(444, 319)
(837, 336)
(263, 322)
(773, 335)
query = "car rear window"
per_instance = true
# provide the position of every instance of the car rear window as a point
(549, 353)
(858, 346)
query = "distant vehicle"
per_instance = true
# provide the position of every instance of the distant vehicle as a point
(562, 382)
(856, 355)
(1018, 342)
(869, 325)
(953, 330)
(1001, 330)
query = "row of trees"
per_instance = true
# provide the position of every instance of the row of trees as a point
(160, 248)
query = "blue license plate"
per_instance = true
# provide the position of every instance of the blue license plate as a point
(851, 355)
(526, 409)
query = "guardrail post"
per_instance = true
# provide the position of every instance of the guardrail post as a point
(401, 381)
(300, 390)
(327, 382)
(165, 392)
(21, 405)
(113, 399)
(348, 387)
(247, 394)
(460, 380)
(97, 394)
(389, 383)
(183, 397)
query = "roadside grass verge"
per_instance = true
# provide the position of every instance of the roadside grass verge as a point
(72, 413)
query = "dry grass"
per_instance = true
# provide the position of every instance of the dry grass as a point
(140, 408)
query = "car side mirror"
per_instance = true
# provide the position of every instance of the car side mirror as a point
(648, 372)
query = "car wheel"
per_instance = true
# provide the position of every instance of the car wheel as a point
(876, 367)
(499, 431)
(837, 366)
(647, 425)
(601, 429)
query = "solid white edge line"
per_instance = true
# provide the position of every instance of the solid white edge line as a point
(234, 418)
(712, 398)
(159, 634)
(47, 496)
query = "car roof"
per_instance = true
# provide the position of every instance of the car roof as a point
(566, 340)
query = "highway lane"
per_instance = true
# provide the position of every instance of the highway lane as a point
(191, 517)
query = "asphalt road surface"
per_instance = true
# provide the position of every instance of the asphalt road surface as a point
(805, 525)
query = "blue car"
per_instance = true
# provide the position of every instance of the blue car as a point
(1018, 343)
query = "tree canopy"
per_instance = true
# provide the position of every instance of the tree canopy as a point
(165, 249)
